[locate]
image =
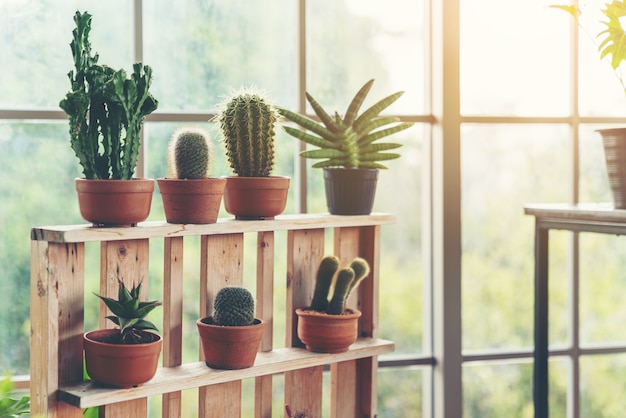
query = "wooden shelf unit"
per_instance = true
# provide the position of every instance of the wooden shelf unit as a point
(57, 318)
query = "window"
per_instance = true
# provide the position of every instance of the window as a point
(506, 97)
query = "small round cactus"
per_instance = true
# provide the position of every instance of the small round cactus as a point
(247, 123)
(189, 154)
(233, 306)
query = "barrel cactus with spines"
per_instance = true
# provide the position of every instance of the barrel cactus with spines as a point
(233, 306)
(190, 154)
(247, 123)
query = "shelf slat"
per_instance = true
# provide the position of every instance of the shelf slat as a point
(197, 374)
(162, 229)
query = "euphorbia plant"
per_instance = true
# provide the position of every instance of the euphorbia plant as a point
(106, 109)
(129, 315)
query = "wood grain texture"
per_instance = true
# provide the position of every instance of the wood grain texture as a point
(57, 296)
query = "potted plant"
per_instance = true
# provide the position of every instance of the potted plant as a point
(349, 149)
(190, 195)
(247, 123)
(327, 326)
(127, 355)
(106, 111)
(232, 335)
(611, 44)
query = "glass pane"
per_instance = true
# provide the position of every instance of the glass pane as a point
(209, 48)
(497, 390)
(400, 392)
(510, 67)
(594, 182)
(36, 56)
(42, 194)
(504, 167)
(602, 289)
(352, 41)
(401, 295)
(603, 384)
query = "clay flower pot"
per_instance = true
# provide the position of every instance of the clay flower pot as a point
(192, 201)
(230, 347)
(324, 333)
(256, 197)
(120, 365)
(114, 202)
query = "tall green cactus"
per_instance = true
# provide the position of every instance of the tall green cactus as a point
(347, 280)
(247, 123)
(106, 110)
(189, 154)
(233, 306)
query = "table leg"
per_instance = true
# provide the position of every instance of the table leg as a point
(540, 372)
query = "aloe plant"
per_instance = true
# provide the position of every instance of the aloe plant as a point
(189, 154)
(349, 141)
(348, 279)
(612, 37)
(106, 109)
(129, 313)
(247, 123)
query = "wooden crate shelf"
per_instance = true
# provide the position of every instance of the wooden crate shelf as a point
(193, 375)
(57, 315)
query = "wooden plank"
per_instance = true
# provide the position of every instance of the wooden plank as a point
(56, 325)
(263, 393)
(305, 249)
(197, 374)
(161, 229)
(221, 265)
(172, 318)
(126, 261)
(367, 368)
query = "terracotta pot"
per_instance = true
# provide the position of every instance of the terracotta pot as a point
(614, 142)
(256, 197)
(120, 365)
(115, 202)
(350, 191)
(192, 201)
(230, 348)
(324, 333)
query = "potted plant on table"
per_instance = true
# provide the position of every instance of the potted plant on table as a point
(106, 111)
(247, 123)
(612, 38)
(327, 326)
(348, 148)
(232, 335)
(190, 195)
(128, 355)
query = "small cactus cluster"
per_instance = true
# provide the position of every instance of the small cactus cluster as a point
(190, 153)
(347, 280)
(233, 306)
(247, 124)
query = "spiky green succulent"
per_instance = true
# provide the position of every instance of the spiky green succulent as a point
(349, 141)
(106, 110)
(347, 280)
(233, 306)
(247, 123)
(129, 312)
(189, 154)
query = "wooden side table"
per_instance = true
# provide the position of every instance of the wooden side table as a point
(598, 218)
